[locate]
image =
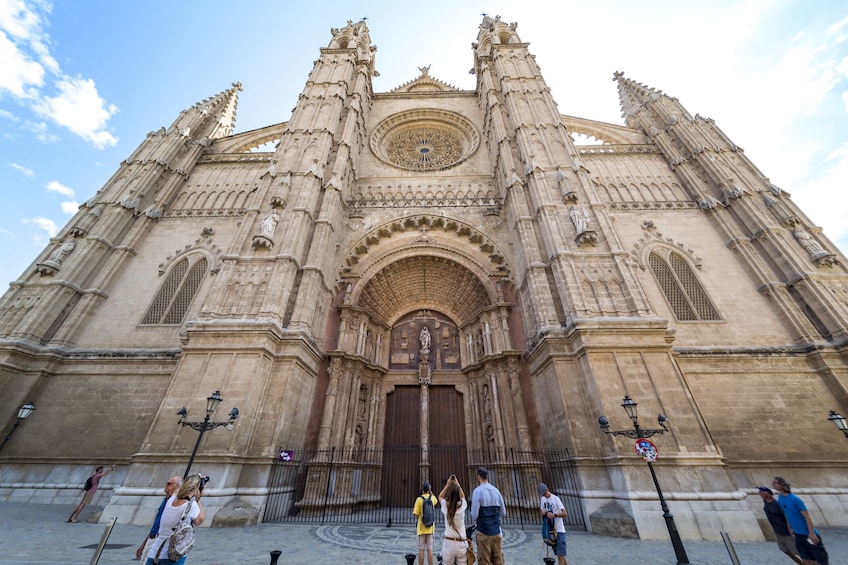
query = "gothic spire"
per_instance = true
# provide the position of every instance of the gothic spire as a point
(213, 117)
(228, 102)
(633, 96)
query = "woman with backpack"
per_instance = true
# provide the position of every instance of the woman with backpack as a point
(453, 505)
(424, 510)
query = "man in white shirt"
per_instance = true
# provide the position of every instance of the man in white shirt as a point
(551, 507)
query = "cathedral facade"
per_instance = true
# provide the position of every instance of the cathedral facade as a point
(385, 262)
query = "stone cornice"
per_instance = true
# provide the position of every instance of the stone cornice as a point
(617, 149)
(485, 202)
(210, 212)
(236, 158)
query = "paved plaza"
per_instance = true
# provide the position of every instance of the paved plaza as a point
(33, 534)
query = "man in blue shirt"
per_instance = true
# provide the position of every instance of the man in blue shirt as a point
(487, 508)
(807, 539)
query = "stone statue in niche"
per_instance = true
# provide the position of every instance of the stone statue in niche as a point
(269, 224)
(807, 241)
(579, 218)
(266, 231)
(425, 341)
(363, 402)
(369, 345)
(54, 262)
(61, 252)
(817, 253)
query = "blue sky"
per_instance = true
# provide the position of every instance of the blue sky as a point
(82, 82)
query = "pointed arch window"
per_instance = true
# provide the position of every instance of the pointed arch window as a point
(177, 292)
(684, 293)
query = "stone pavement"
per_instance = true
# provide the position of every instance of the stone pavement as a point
(36, 534)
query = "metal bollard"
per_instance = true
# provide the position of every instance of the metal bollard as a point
(730, 549)
(410, 558)
(275, 555)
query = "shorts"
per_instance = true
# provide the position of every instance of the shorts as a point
(560, 546)
(425, 541)
(87, 497)
(786, 544)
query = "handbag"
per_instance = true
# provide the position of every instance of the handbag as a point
(470, 557)
(181, 539)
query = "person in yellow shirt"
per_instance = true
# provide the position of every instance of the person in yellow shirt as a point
(425, 531)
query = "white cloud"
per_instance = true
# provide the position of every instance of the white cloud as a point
(21, 30)
(17, 71)
(25, 61)
(70, 207)
(46, 224)
(819, 197)
(80, 108)
(56, 186)
(25, 170)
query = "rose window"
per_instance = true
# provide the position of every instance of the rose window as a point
(424, 140)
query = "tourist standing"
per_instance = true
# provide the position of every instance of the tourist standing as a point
(424, 530)
(487, 509)
(453, 505)
(552, 508)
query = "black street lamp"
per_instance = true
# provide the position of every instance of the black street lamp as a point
(204, 426)
(638, 433)
(23, 413)
(839, 422)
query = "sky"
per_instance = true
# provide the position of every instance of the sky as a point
(83, 81)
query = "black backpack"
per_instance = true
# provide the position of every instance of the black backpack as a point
(428, 513)
(88, 483)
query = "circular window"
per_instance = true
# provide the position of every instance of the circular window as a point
(424, 140)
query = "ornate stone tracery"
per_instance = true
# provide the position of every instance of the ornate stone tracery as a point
(424, 140)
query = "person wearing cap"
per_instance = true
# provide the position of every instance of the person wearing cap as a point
(425, 533)
(807, 539)
(487, 509)
(552, 508)
(774, 513)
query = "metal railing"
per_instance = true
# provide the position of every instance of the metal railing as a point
(380, 486)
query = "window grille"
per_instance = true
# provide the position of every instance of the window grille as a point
(692, 288)
(673, 293)
(175, 296)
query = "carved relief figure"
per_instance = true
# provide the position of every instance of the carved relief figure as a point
(579, 218)
(807, 241)
(269, 224)
(61, 252)
(425, 341)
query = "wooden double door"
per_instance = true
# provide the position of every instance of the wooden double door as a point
(438, 412)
